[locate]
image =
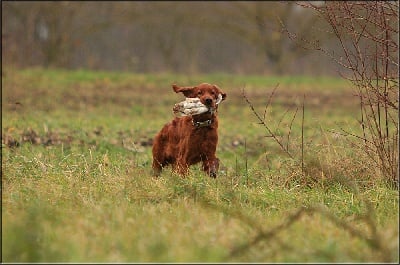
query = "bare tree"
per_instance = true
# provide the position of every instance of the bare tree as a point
(259, 23)
(50, 32)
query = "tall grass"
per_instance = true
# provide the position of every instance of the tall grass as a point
(76, 182)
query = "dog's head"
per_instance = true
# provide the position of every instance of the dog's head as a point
(209, 95)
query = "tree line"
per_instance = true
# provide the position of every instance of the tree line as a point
(185, 37)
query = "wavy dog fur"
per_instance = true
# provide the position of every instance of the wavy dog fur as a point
(191, 139)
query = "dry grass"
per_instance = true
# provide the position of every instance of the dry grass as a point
(77, 187)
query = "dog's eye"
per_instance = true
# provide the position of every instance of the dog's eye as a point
(199, 92)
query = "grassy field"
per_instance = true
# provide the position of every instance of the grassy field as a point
(77, 184)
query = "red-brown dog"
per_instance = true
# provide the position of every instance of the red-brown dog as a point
(191, 139)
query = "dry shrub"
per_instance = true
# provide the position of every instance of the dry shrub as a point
(367, 34)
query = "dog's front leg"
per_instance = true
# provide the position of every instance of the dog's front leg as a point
(181, 168)
(211, 167)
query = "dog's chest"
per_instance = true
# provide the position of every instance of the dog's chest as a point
(203, 137)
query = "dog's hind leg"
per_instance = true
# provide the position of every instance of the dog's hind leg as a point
(158, 158)
(157, 168)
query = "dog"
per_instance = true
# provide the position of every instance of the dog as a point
(191, 139)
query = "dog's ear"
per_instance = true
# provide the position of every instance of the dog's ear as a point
(220, 92)
(223, 95)
(187, 91)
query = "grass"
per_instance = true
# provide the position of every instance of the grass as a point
(76, 184)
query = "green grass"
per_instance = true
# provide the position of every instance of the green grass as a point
(78, 187)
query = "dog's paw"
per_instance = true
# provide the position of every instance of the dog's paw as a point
(213, 174)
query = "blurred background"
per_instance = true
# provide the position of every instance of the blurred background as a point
(180, 37)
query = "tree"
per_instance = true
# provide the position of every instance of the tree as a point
(49, 33)
(259, 23)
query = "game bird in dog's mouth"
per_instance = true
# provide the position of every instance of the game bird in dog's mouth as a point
(191, 137)
(192, 106)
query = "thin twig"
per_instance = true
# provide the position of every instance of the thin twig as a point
(302, 138)
(269, 101)
(290, 129)
(262, 122)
